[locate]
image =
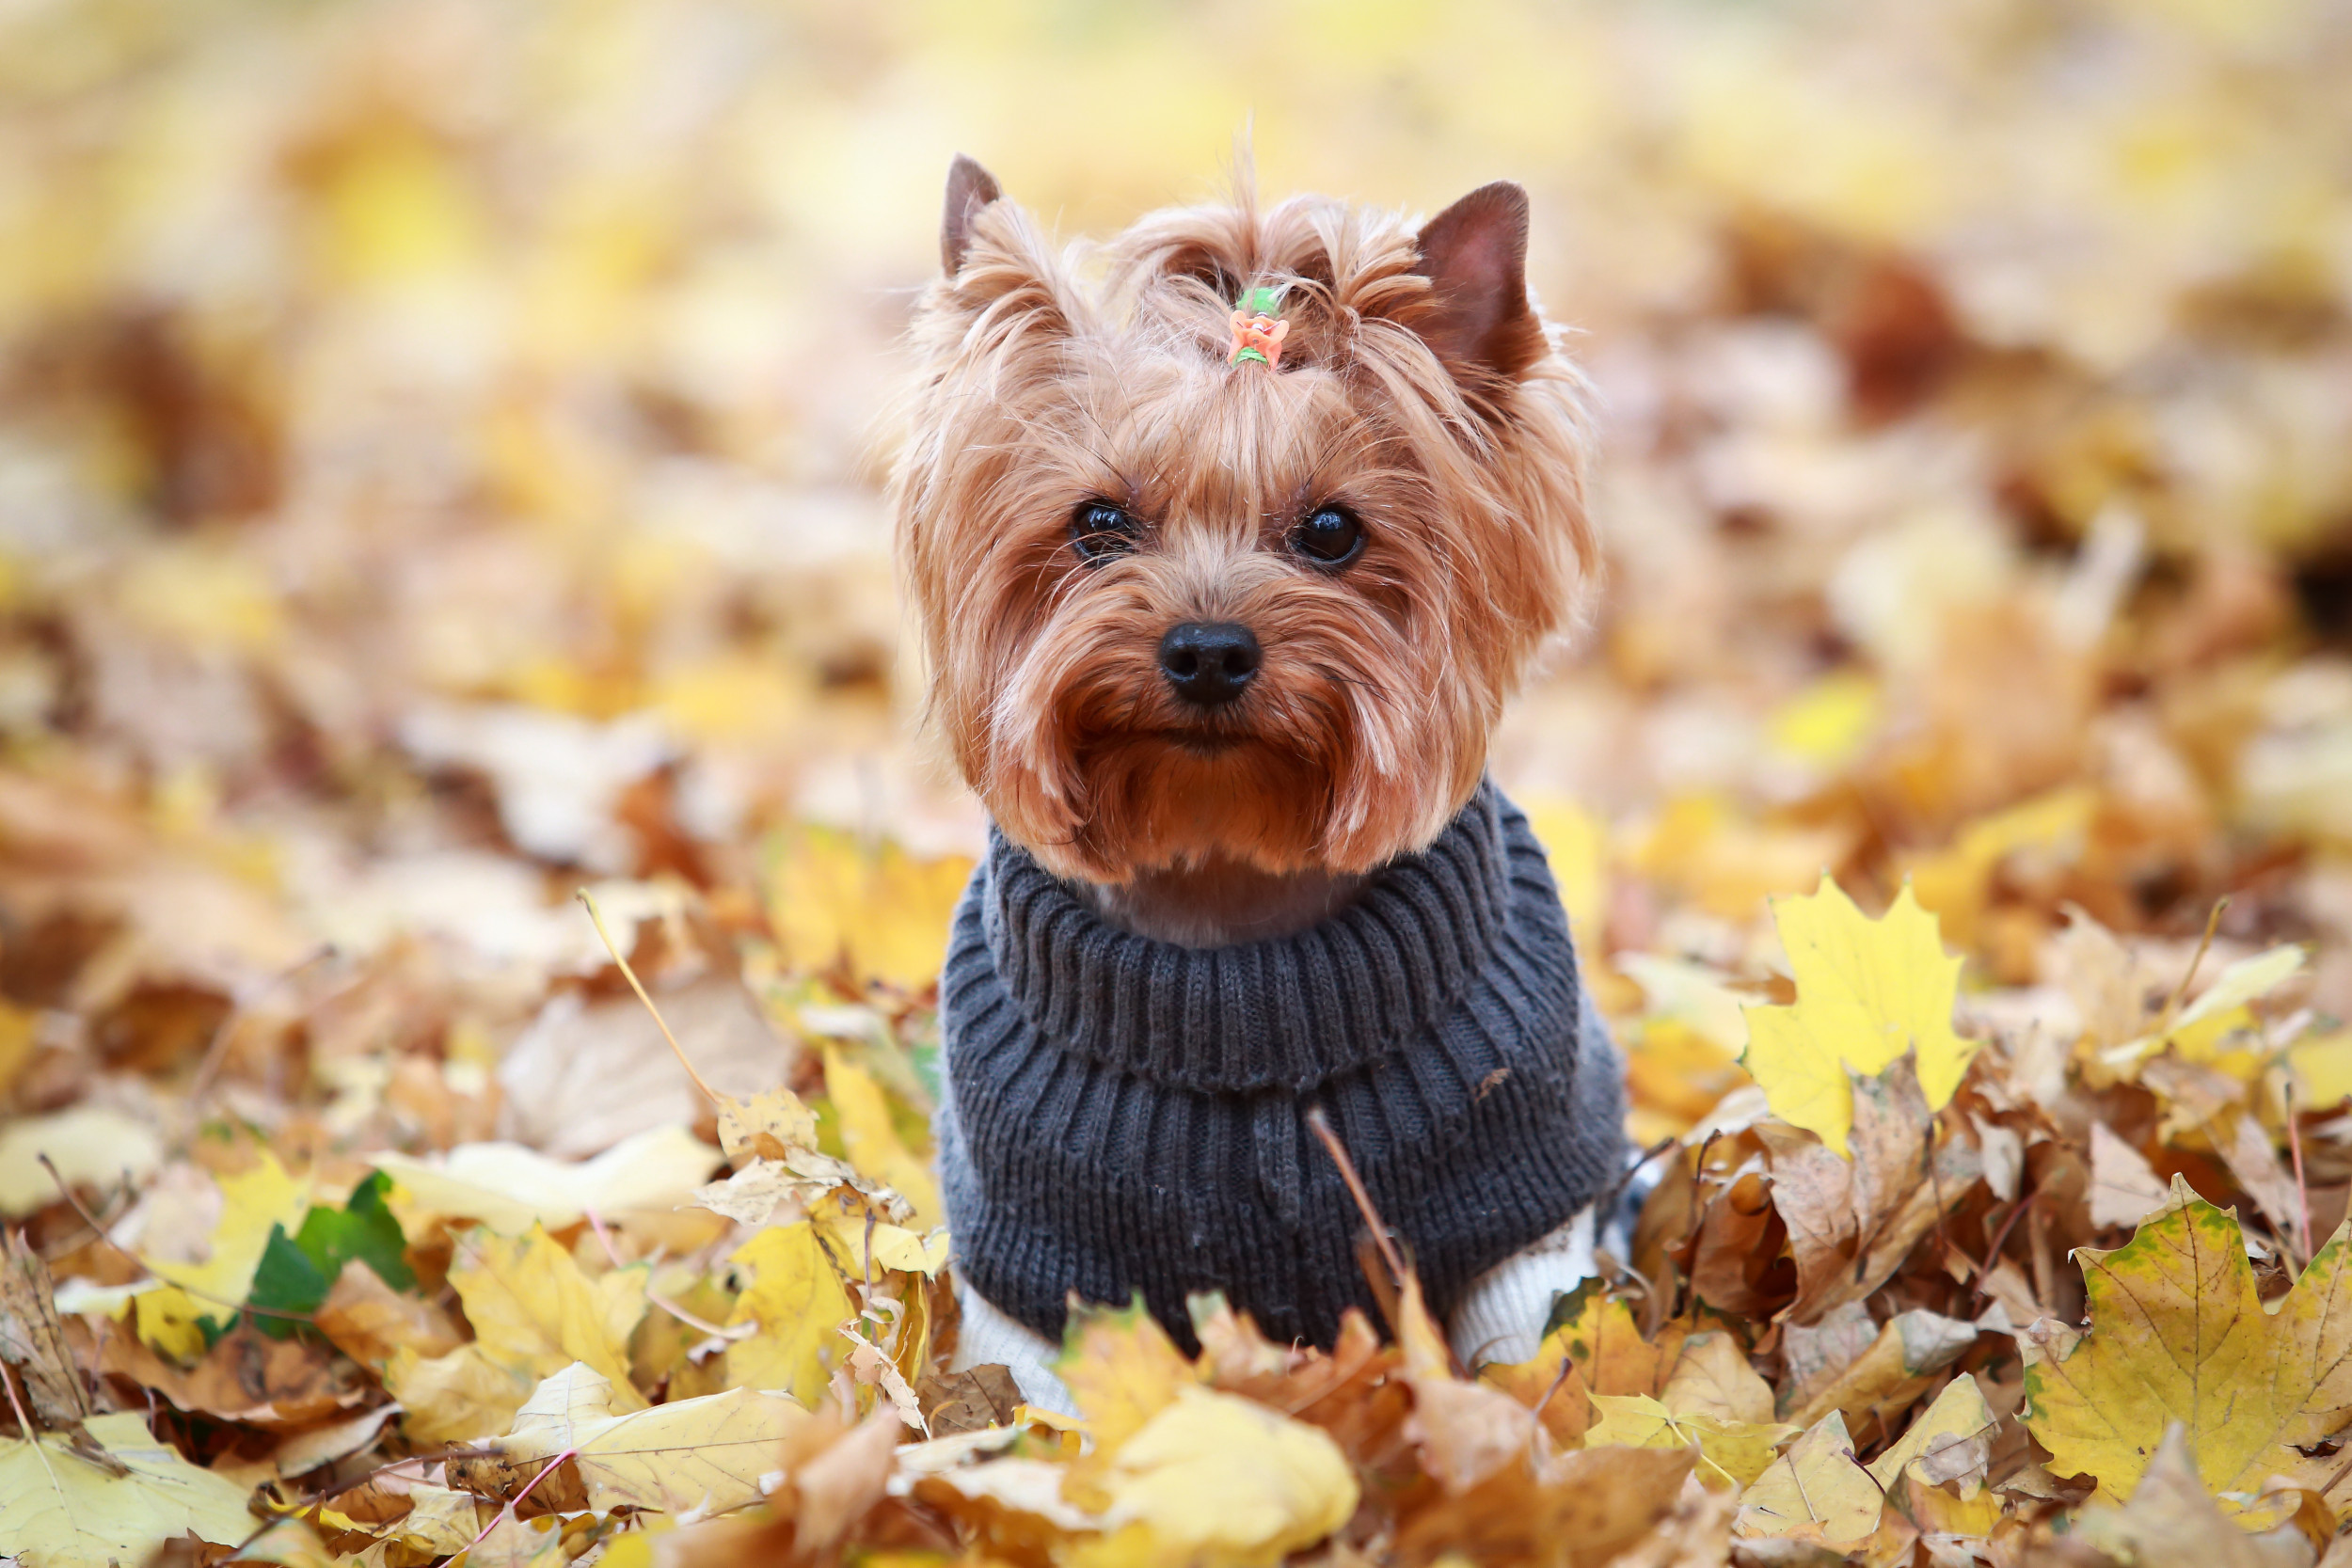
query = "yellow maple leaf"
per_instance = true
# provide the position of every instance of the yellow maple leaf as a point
(170, 1321)
(252, 1202)
(1868, 991)
(1958, 1416)
(2220, 1018)
(797, 1301)
(1814, 1490)
(1220, 1482)
(1597, 1349)
(1732, 1453)
(1122, 1370)
(872, 1143)
(2179, 1333)
(830, 897)
(705, 1453)
(533, 1312)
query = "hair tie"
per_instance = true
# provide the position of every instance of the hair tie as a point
(1257, 327)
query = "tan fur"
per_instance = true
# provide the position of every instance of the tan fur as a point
(1050, 378)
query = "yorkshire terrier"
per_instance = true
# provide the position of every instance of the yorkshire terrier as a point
(1228, 541)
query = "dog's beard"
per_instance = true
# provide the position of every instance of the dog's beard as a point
(1341, 753)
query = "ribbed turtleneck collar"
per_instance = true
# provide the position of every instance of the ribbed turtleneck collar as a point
(1285, 1013)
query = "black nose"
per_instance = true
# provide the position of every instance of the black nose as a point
(1209, 662)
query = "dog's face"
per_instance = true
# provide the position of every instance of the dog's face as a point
(1181, 608)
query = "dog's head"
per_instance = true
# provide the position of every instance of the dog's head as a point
(1184, 603)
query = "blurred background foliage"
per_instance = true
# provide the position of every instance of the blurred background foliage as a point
(440, 454)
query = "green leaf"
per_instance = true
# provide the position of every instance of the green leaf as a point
(286, 1280)
(363, 1228)
(296, 1271)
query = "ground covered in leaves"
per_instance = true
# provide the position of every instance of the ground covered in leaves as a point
(436, 477)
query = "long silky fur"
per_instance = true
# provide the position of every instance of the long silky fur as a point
(1367, 727)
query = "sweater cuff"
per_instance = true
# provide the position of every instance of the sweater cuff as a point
(1501, 1318)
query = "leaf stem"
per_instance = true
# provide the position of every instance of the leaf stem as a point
(634, 983)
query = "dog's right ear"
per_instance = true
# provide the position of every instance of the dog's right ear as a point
(970, 188)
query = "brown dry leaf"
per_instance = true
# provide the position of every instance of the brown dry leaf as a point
(369, 1321)
(1851, 1224)
(32, 1340)
(1898, 1366)
(1738, 1263)
(2254, 1159)
(2123, 1186)
(1585, 1508)
(1467, 1432)
(247, 1377)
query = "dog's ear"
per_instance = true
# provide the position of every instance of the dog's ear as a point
(1474, 255)
(970, 188)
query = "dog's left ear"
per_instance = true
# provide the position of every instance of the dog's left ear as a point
(970, 188)
(1474, 255)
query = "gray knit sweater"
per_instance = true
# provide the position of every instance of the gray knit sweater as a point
(1122, 1115)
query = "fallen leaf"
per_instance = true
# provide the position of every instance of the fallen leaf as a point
(32, 1340)
(58, 1510)
(510, 1188)
(1909, 1351)
(1713, 1377)
(369, 1321)
(95, 1149)
(1595, 1349)
(1278, 1486)
(2123, 1186)
(1949, 1435)
(831, 896)
(1732, 1453)
(2171, 1521)
(2178, 1332)
(1867, 992)
(872, 1143)
(533, 1312)
(1816, 1489)
(254, 1202)
(246, 1376)
(795, 1300)
(2254, 1161)
(704, 1455)
(1851, 1221)
(2222, 1009)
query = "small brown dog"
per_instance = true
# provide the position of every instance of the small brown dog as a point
(1228, 543)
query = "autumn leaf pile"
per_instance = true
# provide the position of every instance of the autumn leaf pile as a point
(436, 478)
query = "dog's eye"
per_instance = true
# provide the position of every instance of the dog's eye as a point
(1098, 529)
(1330, 536)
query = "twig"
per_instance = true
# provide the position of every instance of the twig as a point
(1993, 1254)
(630, 975)
(32, 1433)
(67, 1193)
(1609, 1194)
(1321, 1125)
(517, 1500)
(2180, 992)
(2302, 1189)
